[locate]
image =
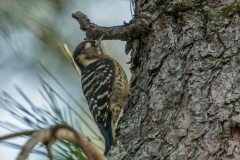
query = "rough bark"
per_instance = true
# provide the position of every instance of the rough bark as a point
(185, 83)
(185, 100)
(132, 30)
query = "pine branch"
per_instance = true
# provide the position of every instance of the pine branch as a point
(58, 132)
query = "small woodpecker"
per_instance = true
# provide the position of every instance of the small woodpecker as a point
(104, 85)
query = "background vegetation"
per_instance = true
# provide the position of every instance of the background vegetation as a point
(36, 77)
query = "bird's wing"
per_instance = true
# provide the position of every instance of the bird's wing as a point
(97, 82)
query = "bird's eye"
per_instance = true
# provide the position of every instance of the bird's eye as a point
(93, 44)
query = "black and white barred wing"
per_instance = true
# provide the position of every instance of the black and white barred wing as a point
(97, 81)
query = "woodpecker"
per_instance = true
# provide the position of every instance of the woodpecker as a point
(105, 87)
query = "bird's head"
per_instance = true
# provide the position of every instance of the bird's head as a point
(88, 52)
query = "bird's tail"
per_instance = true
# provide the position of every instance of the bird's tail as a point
(107, 133)
(109, 137)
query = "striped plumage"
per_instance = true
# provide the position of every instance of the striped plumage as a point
(104, 85)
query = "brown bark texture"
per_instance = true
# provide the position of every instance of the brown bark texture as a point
(186, 84)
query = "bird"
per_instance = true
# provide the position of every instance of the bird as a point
(105, 87)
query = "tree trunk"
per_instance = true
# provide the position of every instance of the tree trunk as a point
(185, 82)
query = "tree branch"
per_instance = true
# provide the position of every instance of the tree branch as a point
(133, 30)
(42, 135)
(57, 132)
(66, 132)
(24, 133)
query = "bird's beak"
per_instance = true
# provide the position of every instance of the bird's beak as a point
(100, 38)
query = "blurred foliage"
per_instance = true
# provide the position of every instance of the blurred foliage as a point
(37, 117)
(39, 17)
